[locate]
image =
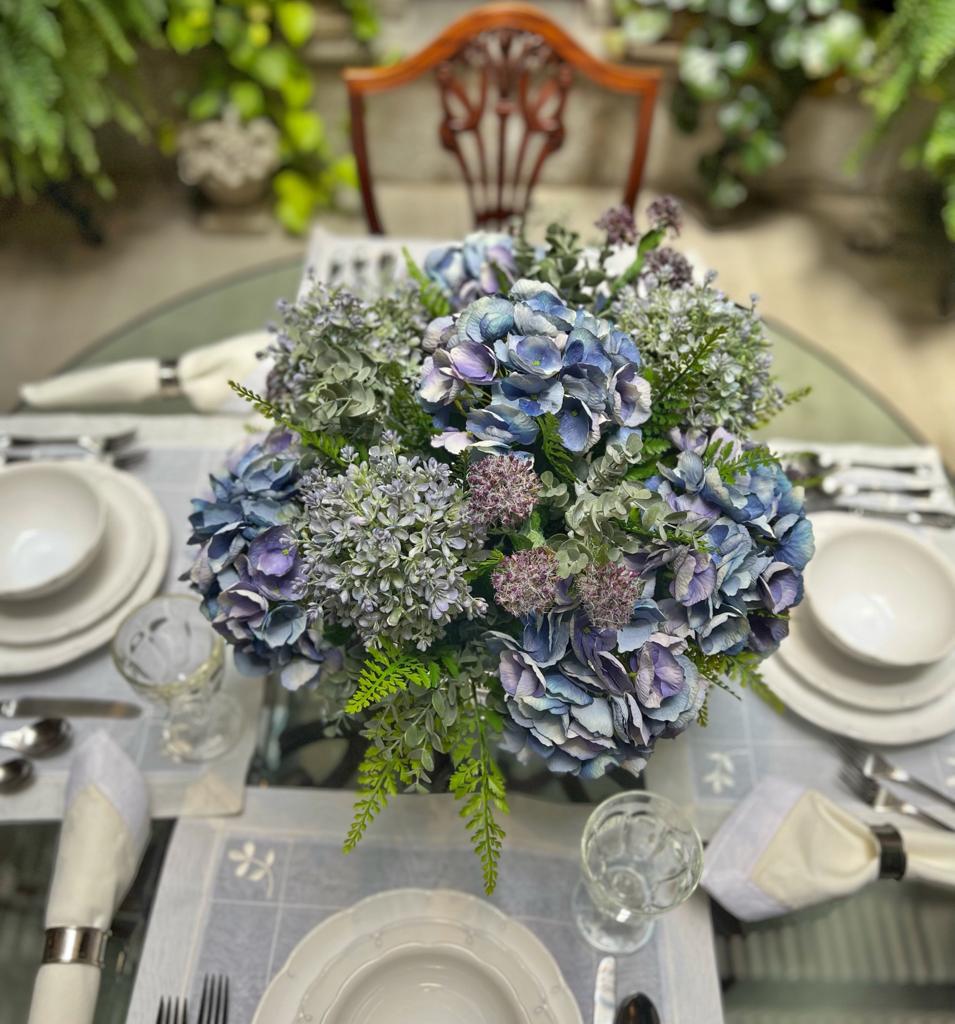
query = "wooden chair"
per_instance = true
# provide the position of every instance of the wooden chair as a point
(503, 72)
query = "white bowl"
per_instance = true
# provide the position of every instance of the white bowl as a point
(51, 525)
(883, 596)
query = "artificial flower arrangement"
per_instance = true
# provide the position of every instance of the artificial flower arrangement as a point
(513, 505)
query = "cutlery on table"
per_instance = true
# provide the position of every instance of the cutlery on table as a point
(916, 516)
(97, 444)
(67, 707)
(39, 738)
(638, 1009)
(120, 459)
(872, 792)
(876, 766)
(15, 774)
(214, 1004)
(172, 1011)
(605, 991)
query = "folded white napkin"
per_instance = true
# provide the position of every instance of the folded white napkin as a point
(786, 847)
(104, 833)
(204, 375)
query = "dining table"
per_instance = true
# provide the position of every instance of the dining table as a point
(886, 954)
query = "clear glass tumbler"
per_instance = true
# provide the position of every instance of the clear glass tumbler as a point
(640, 857)
(168, 653)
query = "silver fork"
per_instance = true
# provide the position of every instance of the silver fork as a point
(172, 1011)
(875, 766)
(214, 1003)
(873, 793)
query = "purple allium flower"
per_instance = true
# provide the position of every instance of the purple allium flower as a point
(619, 224)
(665, 214)
(526, 583)
(608, 593)
(667, 266)
(502, 490)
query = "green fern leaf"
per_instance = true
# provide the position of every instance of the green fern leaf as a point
(377, 781)
(387, 670)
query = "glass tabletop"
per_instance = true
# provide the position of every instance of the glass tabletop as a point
(761, 971)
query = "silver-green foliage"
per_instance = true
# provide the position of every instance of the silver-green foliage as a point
(65, 70)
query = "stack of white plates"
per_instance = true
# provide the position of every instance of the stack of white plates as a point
(79, 611)
(414, 955)
(869, 653)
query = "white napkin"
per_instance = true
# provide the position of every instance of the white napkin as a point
(786, 847)
(104, 833)
(204, 375)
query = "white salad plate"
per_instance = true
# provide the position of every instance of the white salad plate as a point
(118, 566)
(422, 956)
(150, 523)
(835, 674)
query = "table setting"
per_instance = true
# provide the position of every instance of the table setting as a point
(474, 503)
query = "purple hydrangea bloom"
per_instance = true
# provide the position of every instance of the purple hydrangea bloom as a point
(249, 571)
(472, 268)
(535, 355)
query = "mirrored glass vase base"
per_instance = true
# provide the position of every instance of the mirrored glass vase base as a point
(603, 931)
(202, 730)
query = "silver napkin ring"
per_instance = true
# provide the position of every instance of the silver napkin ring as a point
(75, 946)
(169, 383)
(892, 859)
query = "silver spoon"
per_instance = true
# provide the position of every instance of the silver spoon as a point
(45, 736)
(15, 774)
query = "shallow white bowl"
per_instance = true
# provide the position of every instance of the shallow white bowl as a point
(51, 525)
(883, 596)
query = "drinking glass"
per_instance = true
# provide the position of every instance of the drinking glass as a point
(168, 653)
(640, 857)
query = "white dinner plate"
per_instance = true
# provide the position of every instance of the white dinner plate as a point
(422, 956)
(901, 728)
(835, 674)
(118, 566)
(20, 661)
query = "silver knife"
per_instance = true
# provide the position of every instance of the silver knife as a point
(67, 707)
(605, 991)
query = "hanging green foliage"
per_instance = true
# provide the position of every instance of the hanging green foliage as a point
(67, 68)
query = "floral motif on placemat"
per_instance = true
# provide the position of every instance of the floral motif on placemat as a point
(253, 868)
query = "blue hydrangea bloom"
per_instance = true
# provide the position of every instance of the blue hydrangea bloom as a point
(472, 268)
(502, 362)
(249, 569)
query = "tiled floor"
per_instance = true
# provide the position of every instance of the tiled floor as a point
(874, 313)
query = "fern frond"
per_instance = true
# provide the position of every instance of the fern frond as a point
(328, 445)
(479, 783)
(433, 299)
(560, 459)
(377, 781)
(387, 669)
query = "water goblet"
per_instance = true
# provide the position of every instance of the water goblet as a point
(168, 652)
(640, 857)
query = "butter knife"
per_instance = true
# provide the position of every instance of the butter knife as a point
(605, 991)
(67, 707)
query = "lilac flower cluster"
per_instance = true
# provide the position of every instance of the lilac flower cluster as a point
(664, 214)
(473, 268)
(619, 225)
(502, 490)
(249, 568)
(666, 266)
(388, 546)
(530, 354)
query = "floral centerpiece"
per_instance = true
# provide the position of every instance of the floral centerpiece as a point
(512, 505)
